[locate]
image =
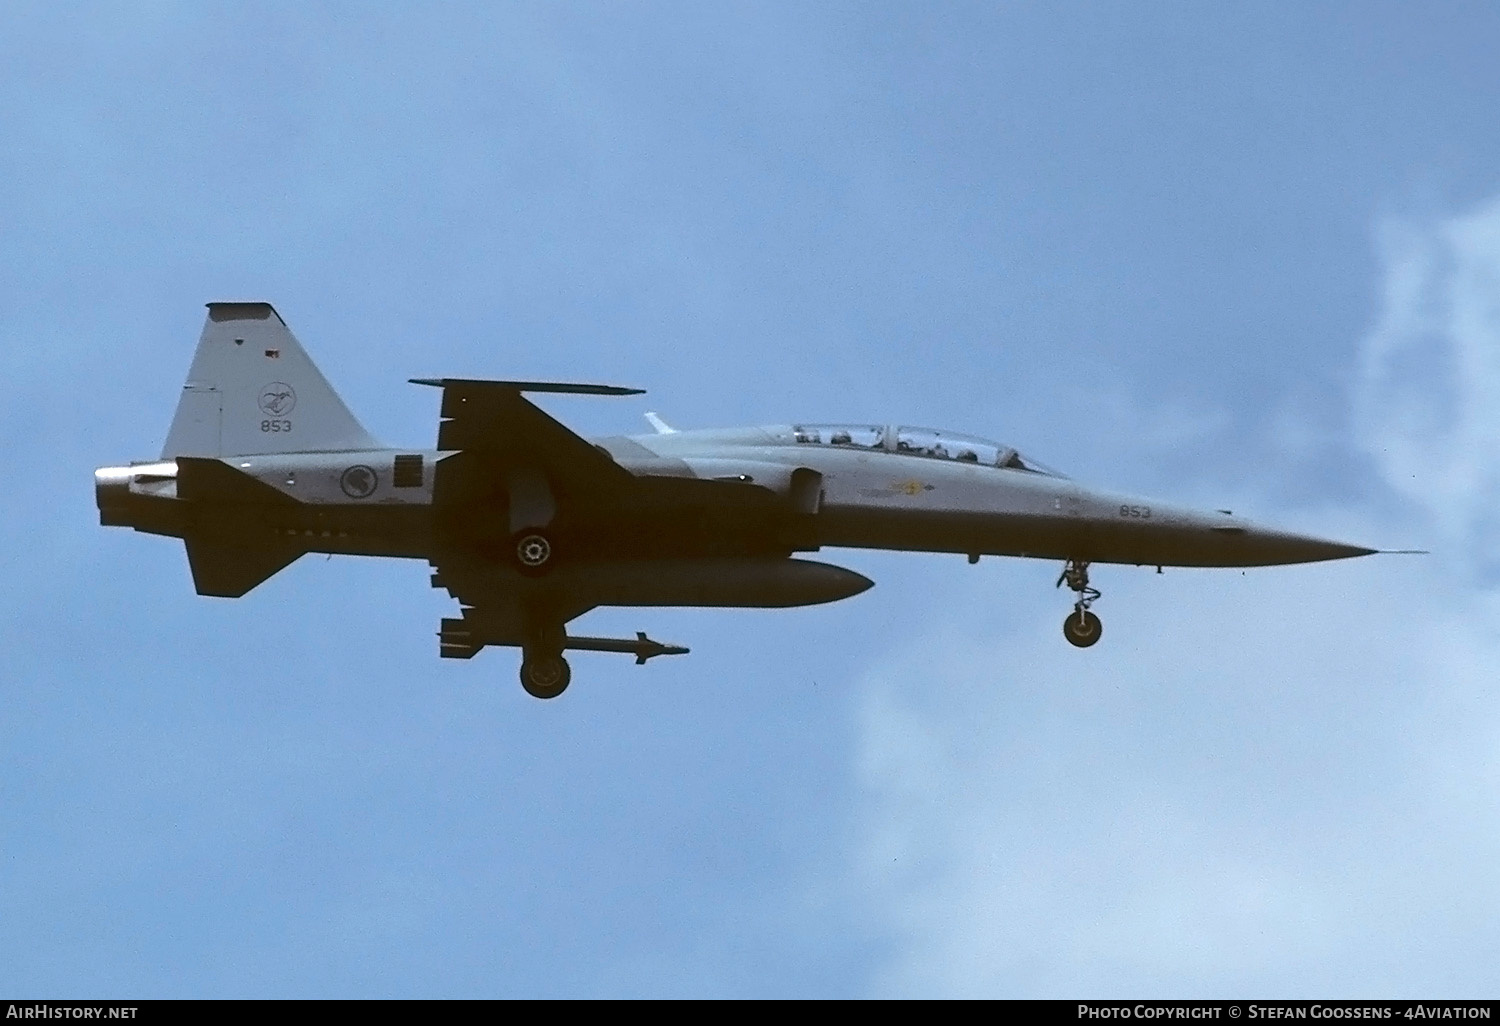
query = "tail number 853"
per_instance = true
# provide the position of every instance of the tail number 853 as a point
(1136, 512)
(270, 426)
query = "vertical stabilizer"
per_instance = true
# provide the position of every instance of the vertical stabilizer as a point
(252, 389)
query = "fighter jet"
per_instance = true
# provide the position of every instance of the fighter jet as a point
(528, 525)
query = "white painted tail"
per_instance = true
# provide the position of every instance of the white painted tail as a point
(252, 389)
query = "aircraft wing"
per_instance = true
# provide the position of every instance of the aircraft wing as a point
(509, 455)
(498, 434)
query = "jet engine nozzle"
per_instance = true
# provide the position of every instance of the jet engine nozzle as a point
(112, 486)
(116, 488)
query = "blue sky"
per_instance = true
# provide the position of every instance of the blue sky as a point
(1243, 255)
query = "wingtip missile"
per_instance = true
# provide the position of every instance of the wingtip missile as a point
(566, 387)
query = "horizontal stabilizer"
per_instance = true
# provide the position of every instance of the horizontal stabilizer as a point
(568, 387)
(227, 570)
(208, 480)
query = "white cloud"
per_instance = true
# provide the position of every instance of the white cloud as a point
(1428, 405)
(1277, 783)
(1285, 782)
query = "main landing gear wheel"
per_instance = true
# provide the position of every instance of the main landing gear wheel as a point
(1082, 628)
(545, 676)
(533, 552)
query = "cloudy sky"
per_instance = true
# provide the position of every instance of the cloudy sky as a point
(1240, 255)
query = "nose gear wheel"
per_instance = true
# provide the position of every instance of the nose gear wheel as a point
(1082, 628)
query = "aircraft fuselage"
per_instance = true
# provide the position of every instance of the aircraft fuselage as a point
(865, 499)
(529, 526)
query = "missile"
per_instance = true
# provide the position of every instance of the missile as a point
(642, 647)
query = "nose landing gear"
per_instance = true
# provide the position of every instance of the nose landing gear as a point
(1082, 628)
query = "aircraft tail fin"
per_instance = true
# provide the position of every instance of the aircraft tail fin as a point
(252, 389)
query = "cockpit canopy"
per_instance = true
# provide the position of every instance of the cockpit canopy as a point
(919, 441)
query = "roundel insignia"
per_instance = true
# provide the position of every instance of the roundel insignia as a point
(358, 482)
(277, 399)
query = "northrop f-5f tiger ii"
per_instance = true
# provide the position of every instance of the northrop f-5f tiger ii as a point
(529, 526)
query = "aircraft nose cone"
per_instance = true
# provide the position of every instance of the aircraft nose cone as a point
(1340, 550)
(1314, 549)
(1284, 547)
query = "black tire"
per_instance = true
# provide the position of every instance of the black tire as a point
(533, 552)
(545, 676)
(1082, 628)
